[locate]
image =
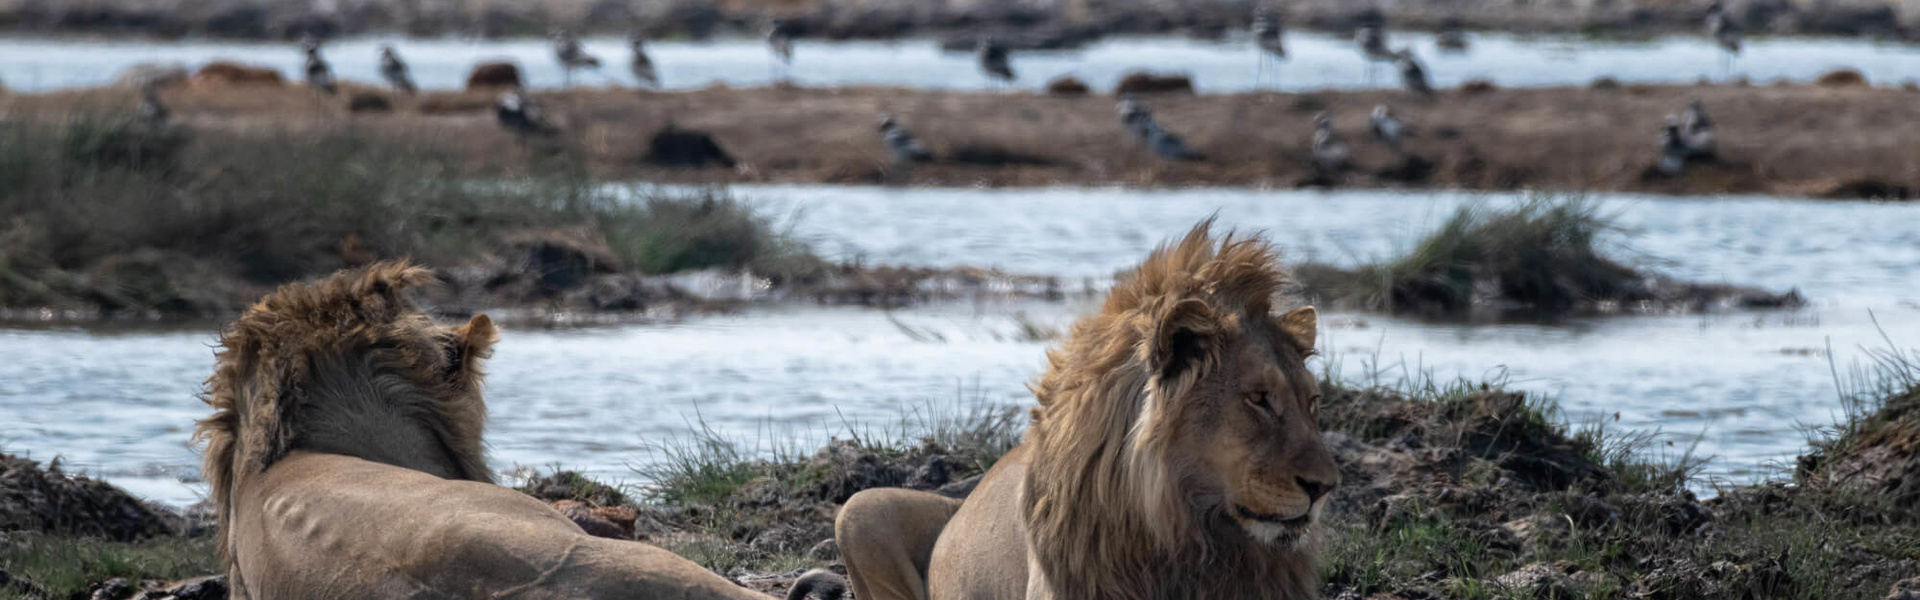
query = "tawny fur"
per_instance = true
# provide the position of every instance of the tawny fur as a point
(264, 381)
(1094, 457)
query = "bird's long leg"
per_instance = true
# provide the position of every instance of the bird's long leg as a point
(1260, 72)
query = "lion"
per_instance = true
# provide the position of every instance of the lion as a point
(1173, 454)
(345, 460)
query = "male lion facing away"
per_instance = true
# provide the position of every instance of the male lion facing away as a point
(344, 454)
(1174, 454)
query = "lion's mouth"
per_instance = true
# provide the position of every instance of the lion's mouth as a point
(1253, 515)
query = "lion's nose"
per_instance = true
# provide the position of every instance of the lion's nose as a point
(1314, 489)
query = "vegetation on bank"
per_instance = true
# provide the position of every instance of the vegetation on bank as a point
(125, 216)
(1548, 255)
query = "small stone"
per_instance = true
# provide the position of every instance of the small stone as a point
(204, 588)
(825, 551)
(1905, 589)
(112, 589)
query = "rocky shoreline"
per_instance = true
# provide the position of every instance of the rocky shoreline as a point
(1450, 491)
(1043, 23)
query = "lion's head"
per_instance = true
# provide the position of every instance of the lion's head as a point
(346, 365)
(1175, 449)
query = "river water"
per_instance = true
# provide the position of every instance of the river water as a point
(1315, 61)
(119, 402)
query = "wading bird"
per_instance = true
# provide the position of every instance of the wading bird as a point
(319, 74)
(780, 36)
(1696, 131)
(994, 60)
(1138, 120)
(1387, 128)
(521, 114)
(1330, 152)
(642, 64)
(395, 70)
(1673, 149)
(1412, 75)
(1268, 30)
(900, 143)
(566, 49)
(1721, 28)
(1372, 40)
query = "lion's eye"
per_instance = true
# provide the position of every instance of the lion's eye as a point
(1259, 402)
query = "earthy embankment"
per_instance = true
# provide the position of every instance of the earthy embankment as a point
(1049, 22)
(1450, 491)
(1842, 141)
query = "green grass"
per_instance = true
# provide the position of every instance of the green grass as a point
(1548, 254)
(65, 567)
(256, 211)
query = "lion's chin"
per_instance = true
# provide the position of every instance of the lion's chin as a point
(1274, 530)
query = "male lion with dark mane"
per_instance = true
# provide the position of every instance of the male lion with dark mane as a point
(1174, 454)
(345, 458)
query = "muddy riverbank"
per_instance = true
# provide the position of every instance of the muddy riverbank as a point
(1838, 141)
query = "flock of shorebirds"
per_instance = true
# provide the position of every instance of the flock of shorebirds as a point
(1683, 138)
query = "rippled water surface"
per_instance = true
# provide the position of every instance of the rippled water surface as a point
(1315, 61)
(120, 403)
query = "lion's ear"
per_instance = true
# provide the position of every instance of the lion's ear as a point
(473, 342)
(1302, 326)
(1185, 337)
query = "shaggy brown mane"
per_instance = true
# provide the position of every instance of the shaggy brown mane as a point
(1104, 512)
(271, 375)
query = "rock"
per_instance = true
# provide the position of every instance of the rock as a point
(1905, 589)
(686, 149)
(154, 74)
(931, 475)
(1589, 511)
(1842, 78)
(221, 72)
(1558, 580)
(1475, 87)
(1067, 86)
(607, 522)
(826, 551)
(494, 76)
(112, 589)
(368, 102)
(1605, 83)
(204, 588)
(1141, 82)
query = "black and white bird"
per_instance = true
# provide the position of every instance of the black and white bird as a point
(319, 74)
(521, 114)
(900, 143)
(1696, 131)
(567, 50)
(1139, 123)
(1674, 153)
(395, 70)
(152, 112)
(1413, 76)
(1721, 28)
(642, 65)
(994, 60)
(1452, 38)
(1373, 42)
(1388, 128)
(780, 36)
(1330, 152)
(1269, 32)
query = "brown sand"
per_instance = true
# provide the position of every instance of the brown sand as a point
(1782, 140)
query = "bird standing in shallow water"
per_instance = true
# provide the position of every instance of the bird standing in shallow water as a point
(1720, 27)
(994, 60)
(395, 70)
(319, 74)
(567, 50)
(900, 143)
(1268, 31)
(642, 64)
(1696, 131)
(1138, 120)
(780, 36)
(1412, 75)
(1673, 149)
(1387, 128)
(1330, 152)
(1373, 47)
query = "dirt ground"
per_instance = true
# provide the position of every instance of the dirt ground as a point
(1793, 140)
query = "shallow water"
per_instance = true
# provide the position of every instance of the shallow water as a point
(120, 403)
(1315, 61)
